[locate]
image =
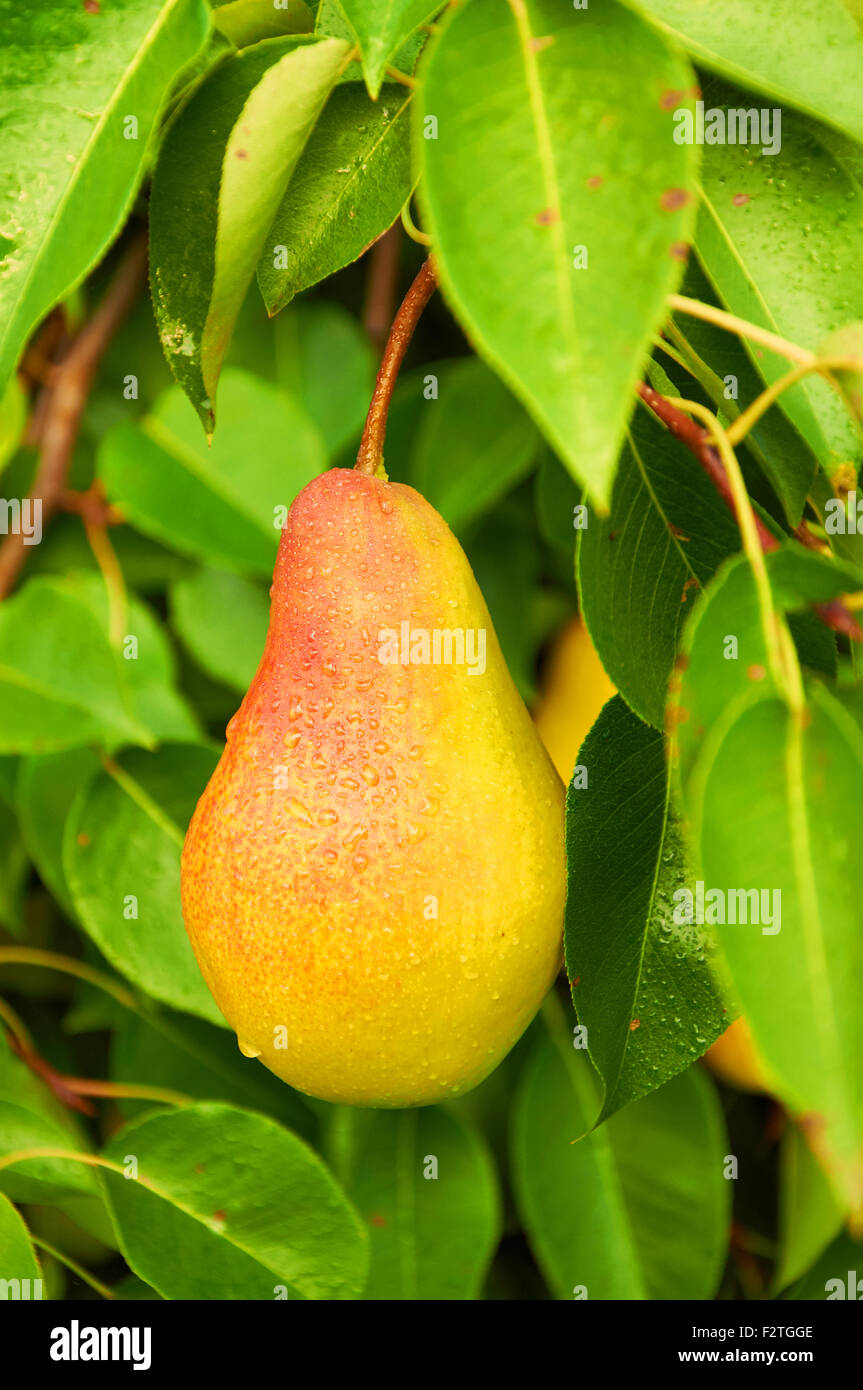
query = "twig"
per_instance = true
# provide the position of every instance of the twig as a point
(371, 451)
(834, 614)
(381, 288)
(698, 441)
(91, 506)
(684, 305)
(71, 1090)
(67, 396)
(83, 1274)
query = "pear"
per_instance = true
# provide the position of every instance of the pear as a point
(373, 880)
(734, 1059)
(574, 691)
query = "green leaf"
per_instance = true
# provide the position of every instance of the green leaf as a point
(425, 1186)
(121, 857)
(814, 62)
(220, 503)
(30, 1118)
(639, 1208)
(381, 28)
(733, 383)
(248, 21)
(309, 341)
(61, 681)
(147, 667)
(643, 987)
(774, 235)
(349, 186)
(809, 1217)
(186, 1055)
(796, 973)
(254, 1211)
(566, 143)
(729, 608)
(830, 1278)
(242, 133)
(17, 1256)
(223, 621)
(796, 839)
(475, 442)
(73, 79)
(46, 787)
(640, 568)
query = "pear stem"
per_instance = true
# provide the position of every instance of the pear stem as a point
(371, 451)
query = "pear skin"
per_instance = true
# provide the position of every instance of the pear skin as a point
(374, 878)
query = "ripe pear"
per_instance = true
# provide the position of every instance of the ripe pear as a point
(733, 1058)
(574, 691)
(373, 880)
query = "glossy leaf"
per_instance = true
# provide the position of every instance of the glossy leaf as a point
(349, 186)
(424, 1184)
(255, 1212)
(767, 271)
(219, 503)
(243, 132)
(797, 959)
(73, 78)
(642, 986)
(121, 856)
(733, 383)
(814, 63)
(639, 1208)
(565, 144)
(640, 568)
(381, 28)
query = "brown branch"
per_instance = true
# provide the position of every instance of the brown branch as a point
(371, 450)
(834, 614)
(67, 394)
(53, 1079)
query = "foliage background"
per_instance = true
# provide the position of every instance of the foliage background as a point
(256, 135)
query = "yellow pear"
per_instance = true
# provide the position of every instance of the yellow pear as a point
(733, 1059)
(373, 880)
(574, 691)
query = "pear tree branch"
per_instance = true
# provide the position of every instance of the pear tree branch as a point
(67, 389)
(699, 441)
